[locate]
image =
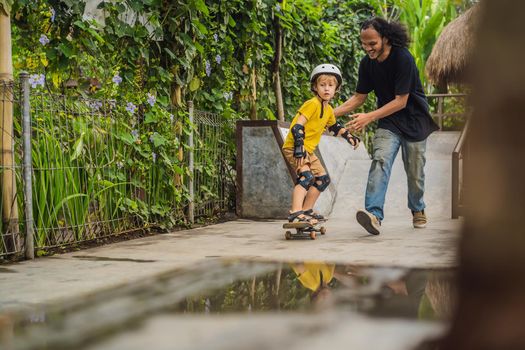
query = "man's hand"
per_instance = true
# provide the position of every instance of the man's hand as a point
(359, 122)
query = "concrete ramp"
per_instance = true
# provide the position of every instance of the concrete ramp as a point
(265, 182)
(351, 188)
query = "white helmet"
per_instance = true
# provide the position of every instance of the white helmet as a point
(326, 68)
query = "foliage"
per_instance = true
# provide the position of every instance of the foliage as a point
(142, 60)
(424, 19)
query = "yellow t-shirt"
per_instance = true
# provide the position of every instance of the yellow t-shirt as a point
(310, 274)
(314, 126)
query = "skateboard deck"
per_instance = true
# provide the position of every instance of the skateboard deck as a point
(302, 230)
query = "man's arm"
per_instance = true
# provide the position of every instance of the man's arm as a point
(351, 104)
(360, 120)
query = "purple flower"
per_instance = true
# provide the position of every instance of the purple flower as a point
(53, 14)
(37, 79)
(154, 156)
(44, 40)
(117, 79)
(135, 134)
(218, 59)
(95, 105)
(215, 37)
(151, 99)
(130, 107)
(228, 95)
(208, 68)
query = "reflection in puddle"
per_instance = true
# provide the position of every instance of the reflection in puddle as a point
(384, 292)
(218, 287)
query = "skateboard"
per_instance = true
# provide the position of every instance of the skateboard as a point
(303, 230)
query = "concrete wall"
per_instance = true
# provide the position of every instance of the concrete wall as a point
(263, 178)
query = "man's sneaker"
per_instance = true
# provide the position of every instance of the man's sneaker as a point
(368, 221)
(419, 219)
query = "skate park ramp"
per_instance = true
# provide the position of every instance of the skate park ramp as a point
(438, 181)
(265, 182)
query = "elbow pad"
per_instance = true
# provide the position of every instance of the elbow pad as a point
(298, 136)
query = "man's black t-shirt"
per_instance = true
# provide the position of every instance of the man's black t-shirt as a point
(398, 75)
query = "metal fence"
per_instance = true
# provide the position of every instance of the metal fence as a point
(96, 170)
(448, 110)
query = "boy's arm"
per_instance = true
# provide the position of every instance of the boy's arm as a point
(298, 135)
(351, 104)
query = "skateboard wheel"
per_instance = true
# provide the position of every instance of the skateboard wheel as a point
(322, 230)
(312, 235)
(288, 235)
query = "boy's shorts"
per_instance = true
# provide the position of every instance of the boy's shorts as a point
(311, 160)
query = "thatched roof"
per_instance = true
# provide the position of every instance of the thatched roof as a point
(450, 56)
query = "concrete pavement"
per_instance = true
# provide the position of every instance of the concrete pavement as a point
(57, 280)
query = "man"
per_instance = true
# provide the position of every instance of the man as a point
(402, 114)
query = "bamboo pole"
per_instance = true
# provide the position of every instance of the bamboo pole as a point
(9, 204)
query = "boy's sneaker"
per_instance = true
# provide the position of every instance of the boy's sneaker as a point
(419, 219)
(368, 221)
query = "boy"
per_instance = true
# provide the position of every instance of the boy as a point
(314, 116)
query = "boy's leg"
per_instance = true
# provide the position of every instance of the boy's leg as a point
(303, 182)
(302, 187)
(321, 182)
(386, 146)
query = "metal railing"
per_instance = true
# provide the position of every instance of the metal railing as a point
(459, 156)
(448, 110)
(86, 169)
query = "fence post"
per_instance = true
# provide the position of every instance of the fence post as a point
(440, 112)
(191, 206)
(28, 169)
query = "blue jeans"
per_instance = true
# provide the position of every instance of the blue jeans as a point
(386, 146)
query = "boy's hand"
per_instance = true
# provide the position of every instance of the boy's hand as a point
(353, 140)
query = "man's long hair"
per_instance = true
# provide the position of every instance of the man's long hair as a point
(395, 32)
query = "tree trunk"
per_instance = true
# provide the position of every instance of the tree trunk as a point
(9, 204)
(253, 106)
(276, 67)
(491, 276)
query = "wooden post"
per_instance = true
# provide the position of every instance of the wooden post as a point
(9, 204)
(276, 69)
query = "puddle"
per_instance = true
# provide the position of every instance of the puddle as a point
(238, 288)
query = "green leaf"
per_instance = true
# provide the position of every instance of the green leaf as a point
(169, 52)
(96, 35)
(200, 5)
(151, 117)
(158, 139)
(195, 83)
(231, 22)
(79, 145)
(200, 27)
(66, 50)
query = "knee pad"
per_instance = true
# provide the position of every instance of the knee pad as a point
(321, 182)
(305, 179)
